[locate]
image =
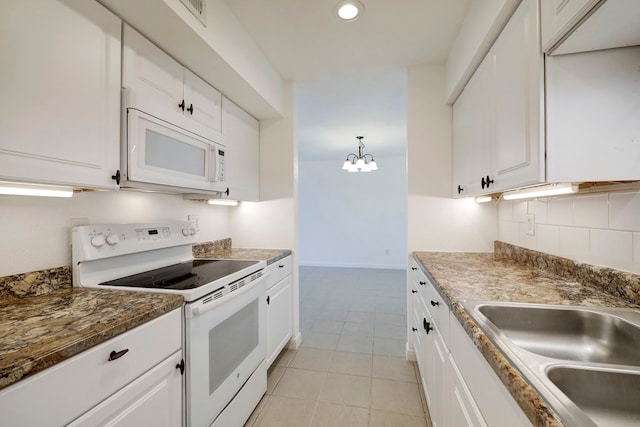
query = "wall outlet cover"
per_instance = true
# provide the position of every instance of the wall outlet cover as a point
(531, 224)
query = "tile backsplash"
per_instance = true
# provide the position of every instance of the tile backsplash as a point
(598, 228)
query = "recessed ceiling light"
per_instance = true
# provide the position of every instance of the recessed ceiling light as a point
(349, 10)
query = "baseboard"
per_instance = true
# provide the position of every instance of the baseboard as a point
(410, 353)
(334, 265)
(295, 342)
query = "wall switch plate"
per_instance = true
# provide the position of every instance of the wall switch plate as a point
(531, 224)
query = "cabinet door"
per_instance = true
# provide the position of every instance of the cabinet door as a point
(60, 85)
(154, 399)
(472, 117)
(559, 17)
(518, 146)
(593, 128)
(463, 410)
(153, 76)
(243, 164)
(202, 101)
(278, 318)
(437, 386)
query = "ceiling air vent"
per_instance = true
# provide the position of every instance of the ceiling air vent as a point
(198, 8)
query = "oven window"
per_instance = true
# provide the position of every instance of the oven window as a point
(165, 152)
(230, 342)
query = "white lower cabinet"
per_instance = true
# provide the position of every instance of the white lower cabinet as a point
(149, 400)
(463, 411)
(140, 385)
(279, 308)
(460, 387)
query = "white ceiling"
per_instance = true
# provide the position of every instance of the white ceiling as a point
(350, 76)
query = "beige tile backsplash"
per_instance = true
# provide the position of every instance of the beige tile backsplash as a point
(601, 228)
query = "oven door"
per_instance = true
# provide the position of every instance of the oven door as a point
(225, 343)
(160, 153)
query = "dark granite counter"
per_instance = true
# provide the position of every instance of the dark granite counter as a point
(43, 320)
(222, 249)
(514, 274)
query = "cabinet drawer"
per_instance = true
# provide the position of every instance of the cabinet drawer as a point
(58, 395)
(438, 310)
(154, 399)
(278, 271)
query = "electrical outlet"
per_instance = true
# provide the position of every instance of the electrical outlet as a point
(193, 220)
(387, 251)
(531, 224)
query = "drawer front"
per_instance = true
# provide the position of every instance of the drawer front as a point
(438, 310)
(61, 393)
(278, 271)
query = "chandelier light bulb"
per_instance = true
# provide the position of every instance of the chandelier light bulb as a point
(361, 162)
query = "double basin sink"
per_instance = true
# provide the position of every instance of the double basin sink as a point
(584, 361)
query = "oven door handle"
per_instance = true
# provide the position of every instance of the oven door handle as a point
(200, 309)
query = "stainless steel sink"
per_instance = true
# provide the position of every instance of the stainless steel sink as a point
(568, 333)
(616, 401)
(584, 361)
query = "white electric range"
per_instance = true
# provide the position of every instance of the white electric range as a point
(224, 312)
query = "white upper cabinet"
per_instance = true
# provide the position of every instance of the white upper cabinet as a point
(518, 102)
(60, 82)
(593, 116)
(242, 136)
(160, 85)
(498, 118)
(559, 17)
(472, 133)
(572, 26)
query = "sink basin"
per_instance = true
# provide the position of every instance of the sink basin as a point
(568, 333)
(609, 398)
(584, 361)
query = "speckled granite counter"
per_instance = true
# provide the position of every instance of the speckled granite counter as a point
(515, 274)
(43, 320)
(222, 249)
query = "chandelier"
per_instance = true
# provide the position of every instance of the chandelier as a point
(360, 162)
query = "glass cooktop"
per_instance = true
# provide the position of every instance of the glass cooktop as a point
(186, 275)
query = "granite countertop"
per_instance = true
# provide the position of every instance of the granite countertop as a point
(43, 320)
(513, 274)
(222, 249)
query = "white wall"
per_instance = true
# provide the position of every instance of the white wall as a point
(436, 221)
(353, 219)
(598, 228)
(36, 230)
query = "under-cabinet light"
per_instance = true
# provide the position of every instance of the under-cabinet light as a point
(483, 199)
(223, 202)
(541, 191)
(23, 189)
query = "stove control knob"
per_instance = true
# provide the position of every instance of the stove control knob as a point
(192, 231)
(185, 232)
(112, 239)
(98, 241)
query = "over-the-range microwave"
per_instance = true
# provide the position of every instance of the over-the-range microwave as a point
(163, 156)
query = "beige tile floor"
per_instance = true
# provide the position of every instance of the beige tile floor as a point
(350, 370)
